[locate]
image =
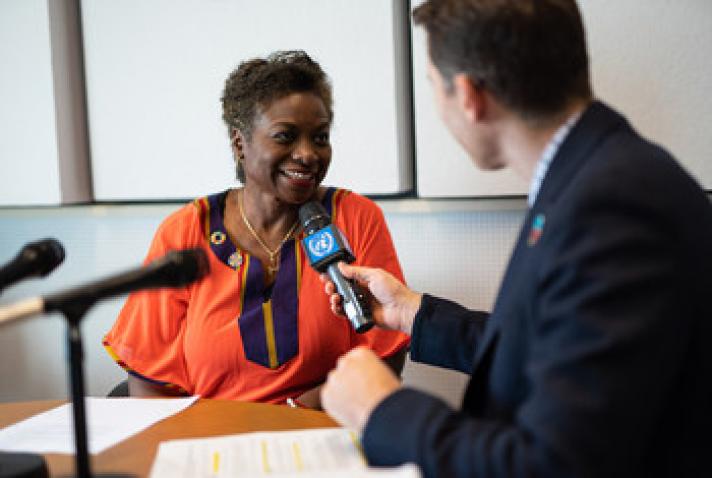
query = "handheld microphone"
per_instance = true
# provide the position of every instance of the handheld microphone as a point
(175, 269)
(325, 247)
(34, 259)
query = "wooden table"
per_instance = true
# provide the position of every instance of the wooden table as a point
(204, 418)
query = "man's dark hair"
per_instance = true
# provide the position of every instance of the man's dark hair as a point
(256, 83)
(530, 54)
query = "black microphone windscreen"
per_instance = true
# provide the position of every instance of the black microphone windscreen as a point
(51, 254)
(313, 216)
(175, 269)
(47, 254)
(182, 267)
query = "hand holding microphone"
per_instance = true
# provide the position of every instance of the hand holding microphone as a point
(393, 304)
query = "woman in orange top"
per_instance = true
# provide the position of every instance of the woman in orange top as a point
(259, 326)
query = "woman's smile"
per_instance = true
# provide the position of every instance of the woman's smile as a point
(289, 152)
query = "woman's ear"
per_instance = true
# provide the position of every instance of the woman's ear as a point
(237, 142)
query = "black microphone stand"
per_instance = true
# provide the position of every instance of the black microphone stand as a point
(74, 314)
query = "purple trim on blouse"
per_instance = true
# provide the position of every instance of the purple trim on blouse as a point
(284, 294)
(285, 304)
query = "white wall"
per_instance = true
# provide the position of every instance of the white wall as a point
(154, 74)
(471, 248)
(27, 118)
(43, 138)
(155, 71)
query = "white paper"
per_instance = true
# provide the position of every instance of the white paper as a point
(109, 421)
(322, 452)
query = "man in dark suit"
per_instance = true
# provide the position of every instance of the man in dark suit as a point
(597, 357)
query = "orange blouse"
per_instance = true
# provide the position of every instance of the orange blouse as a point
(225, 336)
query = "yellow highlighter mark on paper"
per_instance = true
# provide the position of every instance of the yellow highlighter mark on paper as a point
(357, 445)
(298, 462)
(216, 463)
(265, 459)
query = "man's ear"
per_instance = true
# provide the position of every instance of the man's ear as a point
(470, 96)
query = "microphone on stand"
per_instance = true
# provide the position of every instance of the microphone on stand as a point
(175, 269)
(326, 247)
(36, 259)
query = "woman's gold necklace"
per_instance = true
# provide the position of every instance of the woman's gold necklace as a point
(273, 266)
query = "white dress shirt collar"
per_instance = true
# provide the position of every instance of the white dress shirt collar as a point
(547, 156)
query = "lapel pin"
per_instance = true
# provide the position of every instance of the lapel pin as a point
(536, 230)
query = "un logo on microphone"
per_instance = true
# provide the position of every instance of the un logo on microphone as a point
(321, 243)
(326, 246)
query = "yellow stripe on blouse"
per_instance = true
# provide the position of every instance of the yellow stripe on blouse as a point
(269, 334)
(243, 282)
(299, 257)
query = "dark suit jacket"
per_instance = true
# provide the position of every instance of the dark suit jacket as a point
(597, 357)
